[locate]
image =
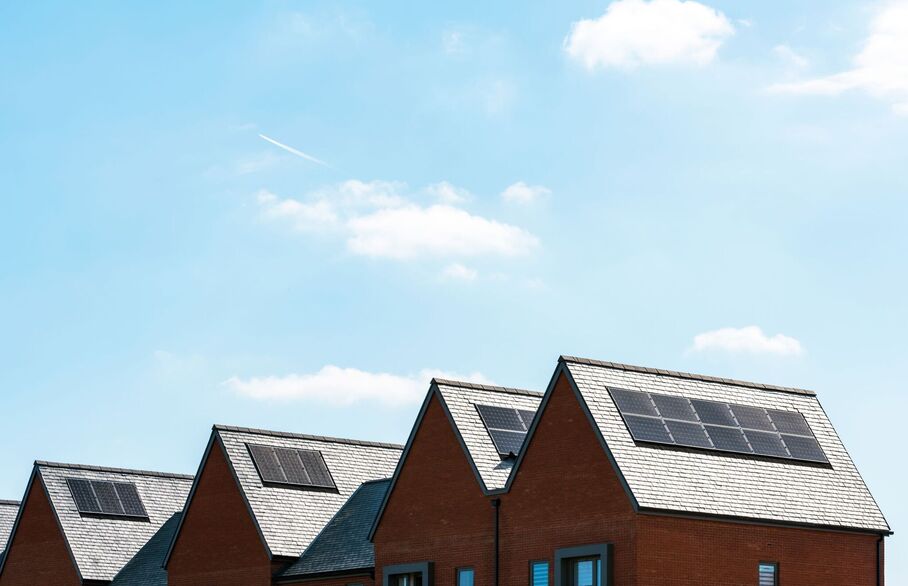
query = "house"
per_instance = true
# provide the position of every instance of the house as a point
(342, 554)
(626, 475)
(80, 525)
(8, 512)
(261, 497)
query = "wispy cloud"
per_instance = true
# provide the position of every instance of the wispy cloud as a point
(345, 386)
(790, 57)
(459, 272)
(750, 340)
(632, 33)
(294, 151)
(447, 193)
(522, 193)
(379, 219)
(880, 69)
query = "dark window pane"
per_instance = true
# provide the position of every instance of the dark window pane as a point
(752, 417)
(83, 495)
(107, 497)
(507, 442)
(583, 573)
(713, 412)
(804, 448)
(129, 496)
(500, 418)
(649, 429)
(688, 434)
(633, 402)
(316, 468)
(766, 443)
(728, 438)
(674, 407)
(292, 466)
(789, 422)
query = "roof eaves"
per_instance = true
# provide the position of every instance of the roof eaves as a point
(321, 438)
(44, 463)
(9, 503)
(761, 521)
(686, 375)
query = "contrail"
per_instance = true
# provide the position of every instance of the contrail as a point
(292, 150)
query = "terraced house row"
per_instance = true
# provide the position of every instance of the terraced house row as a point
(615, 475)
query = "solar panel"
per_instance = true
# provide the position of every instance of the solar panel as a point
(104, 497)
(506, 426)
(291, 466)
(712, 425)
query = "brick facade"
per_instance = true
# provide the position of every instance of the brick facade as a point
(38, 555)
(218, 544)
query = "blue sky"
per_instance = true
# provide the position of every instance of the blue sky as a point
(721, 190)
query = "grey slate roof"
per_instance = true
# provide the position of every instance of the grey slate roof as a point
(101, 546)
(460, 400)
(740, 486)
(343, 545)
(289, 518)
(146, 567)
(8, 512)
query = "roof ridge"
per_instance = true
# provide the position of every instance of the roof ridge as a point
(686, 375)
(113, 470)
(322, 438)
(375, 481)
(482, 387)
(9, 502)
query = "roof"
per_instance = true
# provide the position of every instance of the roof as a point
(8, 512)
(343, 545)
(739, 486)
(146, 567)
(101, 547)
(288, 519)
(460, 400)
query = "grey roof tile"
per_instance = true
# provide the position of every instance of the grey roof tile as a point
(343, 545)
(146, 567)
(8, 512)
(461, 400)
(740, 486)
(103, 546)
(290, 518)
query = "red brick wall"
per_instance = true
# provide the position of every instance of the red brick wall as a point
(437, 510)
(566, 493)
(342, 581)
(678, 551)
(38, 555)
(218, 544)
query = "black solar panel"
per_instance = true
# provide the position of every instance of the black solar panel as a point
(291, 466)
(711, 425)
(103, 497)
(506, 426)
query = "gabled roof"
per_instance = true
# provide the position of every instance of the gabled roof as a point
(288, 519)
(459, 400)
(718, 485)
(343, 546)
(146, 567)
(8, 512)
(101, 547)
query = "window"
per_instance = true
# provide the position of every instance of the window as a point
(768, 573)
(586, 565)
(464, 576)
(418, 574)
(539, 573)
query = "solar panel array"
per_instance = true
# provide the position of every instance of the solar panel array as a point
(104, 497)
(507, 427)
(291, 466)
(711, 425)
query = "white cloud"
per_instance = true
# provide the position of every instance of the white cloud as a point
(440, 230)
(657, 32)
(377, 219)
(459, 272)
(750, 339)
(453, 42)
(447, 193)
(879, 69)
(520, 192)
(345, 386)
(790, 57)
